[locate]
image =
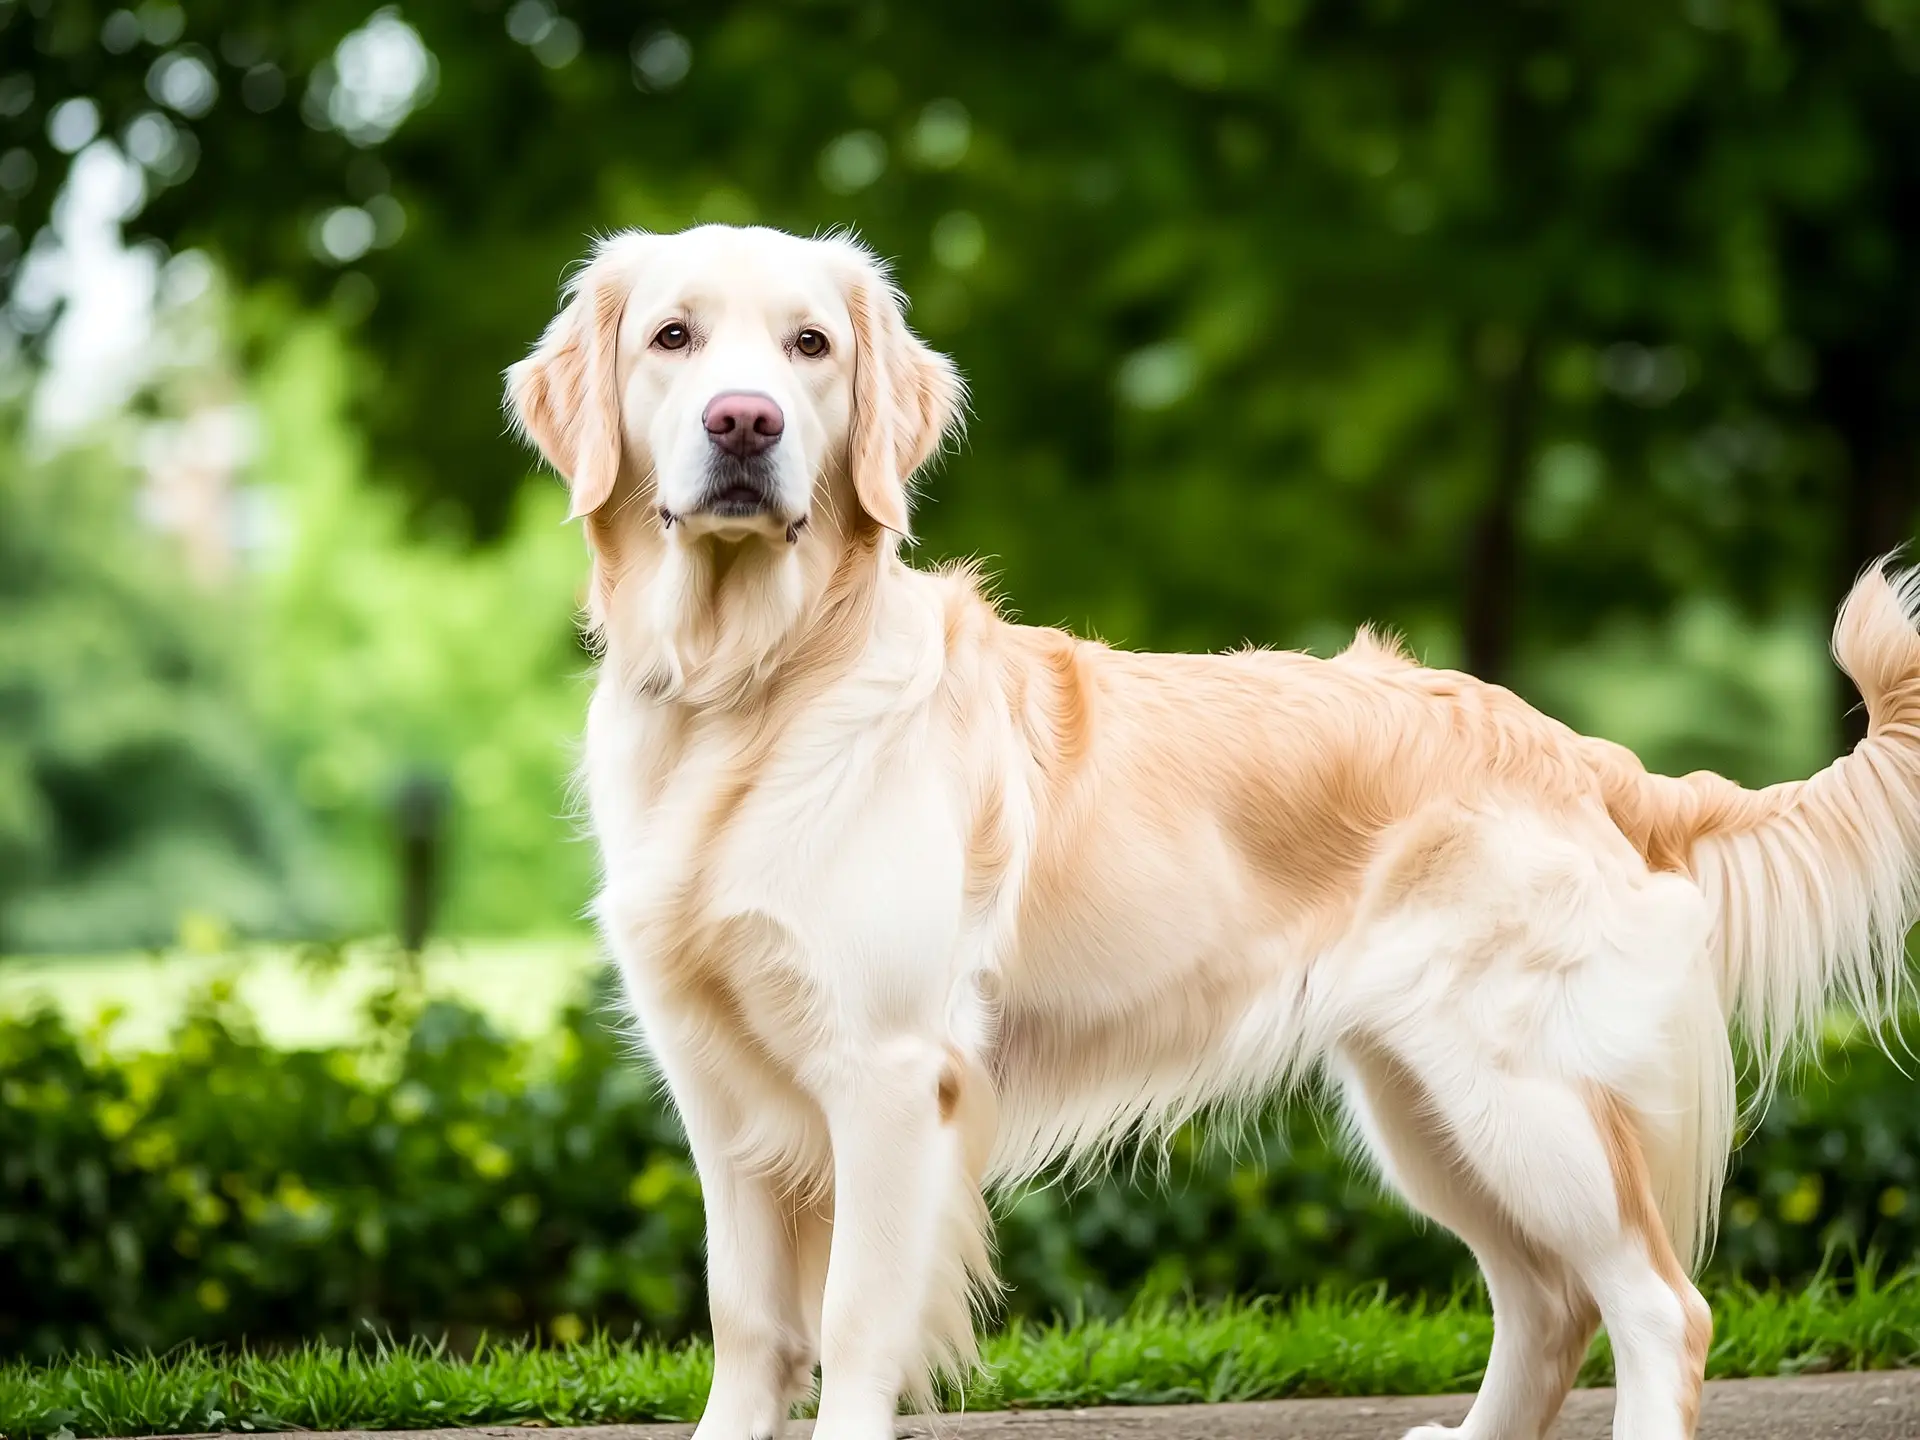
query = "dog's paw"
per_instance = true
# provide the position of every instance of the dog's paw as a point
(717, 1424)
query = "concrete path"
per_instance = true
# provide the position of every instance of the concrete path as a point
(1884, 1406)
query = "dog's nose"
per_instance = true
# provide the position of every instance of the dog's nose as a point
(744, 423)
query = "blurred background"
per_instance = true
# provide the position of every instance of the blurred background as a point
(1578, 342)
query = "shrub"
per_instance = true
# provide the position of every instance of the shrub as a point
(443, 1179)
(440, 1177)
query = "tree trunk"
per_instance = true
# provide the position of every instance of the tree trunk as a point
(1493, 546)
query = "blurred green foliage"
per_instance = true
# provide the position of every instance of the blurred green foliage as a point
(377, 652)
(128, 770)
(1575, 342)
(176, 756)
(1280, 314)
(349, 650)
(441, 1179)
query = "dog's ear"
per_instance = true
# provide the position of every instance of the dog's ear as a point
(565, 396)
(906, 397)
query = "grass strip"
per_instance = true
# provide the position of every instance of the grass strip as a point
(1316, 1344)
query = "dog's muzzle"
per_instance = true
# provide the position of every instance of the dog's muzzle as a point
(737, 490)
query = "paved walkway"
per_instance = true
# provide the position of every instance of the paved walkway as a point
(1883, 1406)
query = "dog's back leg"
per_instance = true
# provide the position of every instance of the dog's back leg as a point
(1543, 1317)
(1548, 1181)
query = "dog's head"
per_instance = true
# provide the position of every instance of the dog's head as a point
(733, 379)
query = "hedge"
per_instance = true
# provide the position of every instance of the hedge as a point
(441, 1179)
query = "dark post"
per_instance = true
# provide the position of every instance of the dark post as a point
(1493, 546)
(420, 823)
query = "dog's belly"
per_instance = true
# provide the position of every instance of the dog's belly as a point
(1141, 988)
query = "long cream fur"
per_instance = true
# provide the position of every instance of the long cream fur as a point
(910, 899)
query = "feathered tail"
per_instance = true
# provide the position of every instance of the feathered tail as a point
(1815, 882)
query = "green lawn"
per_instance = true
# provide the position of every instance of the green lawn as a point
(1318, 1345)
(519, 985)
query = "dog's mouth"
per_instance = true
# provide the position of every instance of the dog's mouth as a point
(738, 489)
(739, 494)
(737, 500)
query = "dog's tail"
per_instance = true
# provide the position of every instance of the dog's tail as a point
(1814, 883)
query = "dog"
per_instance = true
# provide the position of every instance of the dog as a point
(910, 901)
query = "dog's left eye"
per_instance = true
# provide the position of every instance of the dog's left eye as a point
(672, 336)
(810, 343)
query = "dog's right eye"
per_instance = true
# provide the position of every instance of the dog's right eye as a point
(671, 336)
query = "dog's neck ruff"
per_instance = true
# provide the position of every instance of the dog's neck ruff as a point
(709, 624)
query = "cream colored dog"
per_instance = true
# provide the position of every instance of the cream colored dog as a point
(909, 899)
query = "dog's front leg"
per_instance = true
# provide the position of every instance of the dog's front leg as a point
(898, 1165)
(761, 1356)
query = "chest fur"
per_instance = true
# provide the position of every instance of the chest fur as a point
(821, 866)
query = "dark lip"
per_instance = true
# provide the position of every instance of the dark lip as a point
(736, 501)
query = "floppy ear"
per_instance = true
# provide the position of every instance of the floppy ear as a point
(906, 398)
(565, 396)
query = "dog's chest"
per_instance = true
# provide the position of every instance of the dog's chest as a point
(668, 798)
(828, 838)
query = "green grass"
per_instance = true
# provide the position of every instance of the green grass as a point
(1165, 1354)
(521, 986)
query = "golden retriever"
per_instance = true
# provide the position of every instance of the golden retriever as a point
(909, 900)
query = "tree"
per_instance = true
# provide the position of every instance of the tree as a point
(132, 793)
(1278, 315)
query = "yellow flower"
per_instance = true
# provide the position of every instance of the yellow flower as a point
(1313, 1220)
(567, 1329)
(1802, 1203)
